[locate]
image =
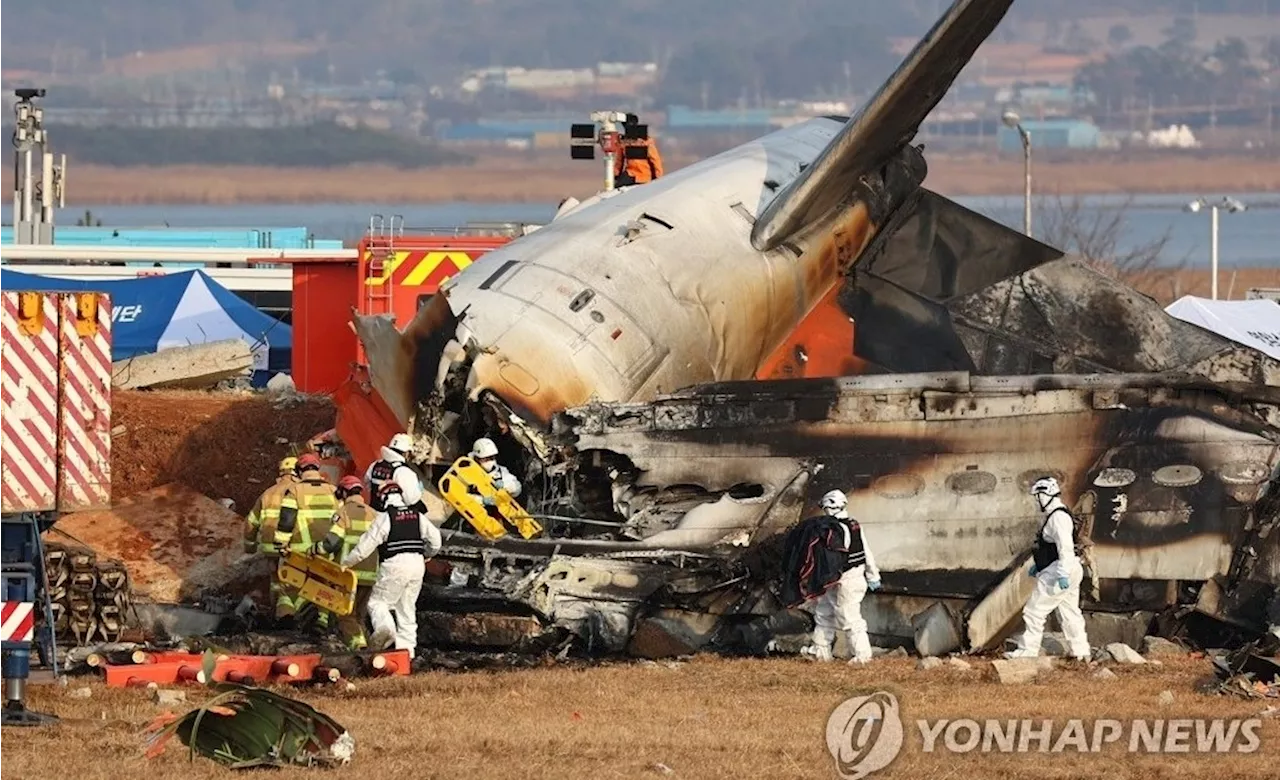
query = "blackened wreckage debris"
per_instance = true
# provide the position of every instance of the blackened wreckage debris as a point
(1175, 477)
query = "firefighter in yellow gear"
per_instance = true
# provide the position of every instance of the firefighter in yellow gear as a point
(306, 512)
(353, 518)
(260, 529)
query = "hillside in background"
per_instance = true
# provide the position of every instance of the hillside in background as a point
(434, 39)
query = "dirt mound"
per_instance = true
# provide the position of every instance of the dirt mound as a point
(224, 445)
(160, 535)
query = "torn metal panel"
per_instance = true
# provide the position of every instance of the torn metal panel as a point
(999, 612)
(672, 632)
(480, 629)
(936, 631)
(594, 598)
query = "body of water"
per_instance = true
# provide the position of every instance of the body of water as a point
(1247, 239)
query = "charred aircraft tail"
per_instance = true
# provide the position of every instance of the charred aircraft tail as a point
(884, 125)
(934, 251)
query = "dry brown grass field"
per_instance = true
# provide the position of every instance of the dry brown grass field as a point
(505, 178)
(709, 717)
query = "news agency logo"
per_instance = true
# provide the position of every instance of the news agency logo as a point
(865, 735)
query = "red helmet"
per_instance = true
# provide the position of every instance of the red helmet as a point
(351, 483)
(308, 461)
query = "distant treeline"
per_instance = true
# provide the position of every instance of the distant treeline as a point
(311, 146)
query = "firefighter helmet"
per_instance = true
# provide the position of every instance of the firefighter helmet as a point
(401, 443)
(1046, 486)
(351, 484)
(308, 462)
(834, 501)
(287, 465)
(483, 449)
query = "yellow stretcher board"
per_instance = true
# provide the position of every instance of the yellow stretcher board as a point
(466, 483)
(320, 581)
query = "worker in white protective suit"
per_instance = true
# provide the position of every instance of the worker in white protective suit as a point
(485, 452)
(1058, 575)
(840, 607)
(392, 466)
(404, 538)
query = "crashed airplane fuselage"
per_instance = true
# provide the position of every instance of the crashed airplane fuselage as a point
(695, 277)
(568, 346)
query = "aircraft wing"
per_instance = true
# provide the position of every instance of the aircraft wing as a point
(884, 124)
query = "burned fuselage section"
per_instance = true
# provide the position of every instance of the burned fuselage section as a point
(1175, 485)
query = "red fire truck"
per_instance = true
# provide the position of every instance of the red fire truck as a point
(394, 274)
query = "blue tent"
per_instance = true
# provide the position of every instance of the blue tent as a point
(152, 313)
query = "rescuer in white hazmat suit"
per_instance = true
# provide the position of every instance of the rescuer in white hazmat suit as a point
(485, 452)
(1058, 574)
(404, 538)
(840, 607)
(392, 466)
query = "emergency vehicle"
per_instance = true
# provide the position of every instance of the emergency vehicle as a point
(55, 455)
(394, 274)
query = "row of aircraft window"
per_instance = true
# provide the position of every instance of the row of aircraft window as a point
(974, 482)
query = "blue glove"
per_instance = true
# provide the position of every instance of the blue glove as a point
(1064, 583)
(1032, 571)
(873, 584)
(488, 501)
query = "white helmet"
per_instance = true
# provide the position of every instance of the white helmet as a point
(484, 448)
(401, 443)
(834, 501)
(1046, 486)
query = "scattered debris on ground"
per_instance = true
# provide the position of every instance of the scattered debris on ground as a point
(1251, 671)
(244, 726)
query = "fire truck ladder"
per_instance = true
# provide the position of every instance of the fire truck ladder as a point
(378, 295)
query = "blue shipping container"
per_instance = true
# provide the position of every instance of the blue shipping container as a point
(187, 238)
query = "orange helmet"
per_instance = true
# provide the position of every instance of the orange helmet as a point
(308, 461)
(351, 484)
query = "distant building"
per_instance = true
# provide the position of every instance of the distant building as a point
(1051, 134)
(1043, 100)
(519, 132)
(682, 119)
(606, 75)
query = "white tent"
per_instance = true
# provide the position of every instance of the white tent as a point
(1254, 323)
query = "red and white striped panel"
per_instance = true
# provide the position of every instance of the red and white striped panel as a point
(84, 440)
(19, 621)
(29, 413)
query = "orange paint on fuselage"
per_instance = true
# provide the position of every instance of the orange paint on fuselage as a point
(825, 337)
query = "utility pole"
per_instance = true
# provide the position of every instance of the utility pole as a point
(32, 226)
(1231, 206)
(1013, 121)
